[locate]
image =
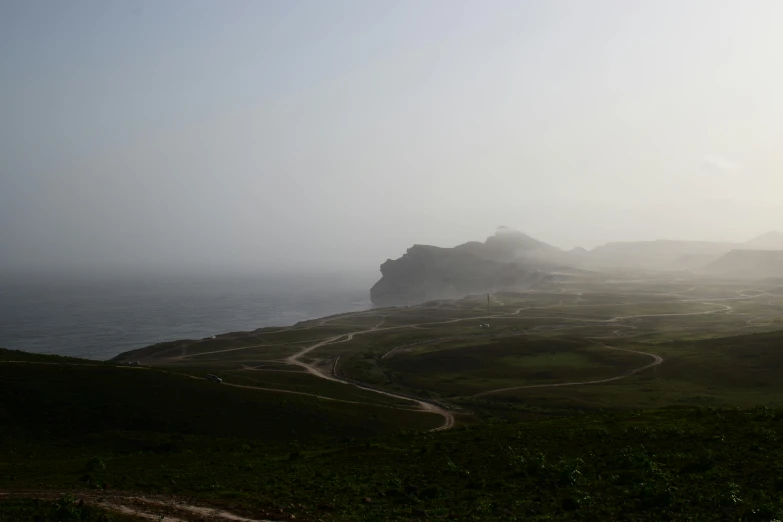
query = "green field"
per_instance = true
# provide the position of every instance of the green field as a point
(466, 368)
(330, 419)
(585, 331)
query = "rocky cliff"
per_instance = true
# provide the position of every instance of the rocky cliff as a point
(511, 260)
(426, 272)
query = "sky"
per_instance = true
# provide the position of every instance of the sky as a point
(300, 135)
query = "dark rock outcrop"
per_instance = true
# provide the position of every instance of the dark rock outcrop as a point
(426, 273)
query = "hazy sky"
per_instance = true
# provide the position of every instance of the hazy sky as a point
(268, 134)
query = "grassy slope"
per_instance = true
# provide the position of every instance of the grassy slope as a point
(44, 401)
(167, 433)
(673, 464)
(739, 371)
(65, 509)
(18, 355)
(467, 368)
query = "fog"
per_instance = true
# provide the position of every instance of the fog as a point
(283, 136)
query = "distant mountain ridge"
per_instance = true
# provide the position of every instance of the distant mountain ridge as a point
(770, 240)
(656, 255)
(512, 260)
(665, 254)
(752, 264)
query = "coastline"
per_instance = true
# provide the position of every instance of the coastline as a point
(98, 320)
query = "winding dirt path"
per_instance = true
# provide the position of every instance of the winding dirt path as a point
(725, 308)
(168, 509)
(317, 396)
(178, 510)
(657, 360)
(448, 417)
(423, 406)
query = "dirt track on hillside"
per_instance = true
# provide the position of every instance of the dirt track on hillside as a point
(423, 406)
(657, 360)
(147, 507)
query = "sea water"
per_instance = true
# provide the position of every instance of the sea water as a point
(98, 318)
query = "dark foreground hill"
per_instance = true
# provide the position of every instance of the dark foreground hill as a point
(65, 426)
(671, 464)
(131, 407)
(65, 508)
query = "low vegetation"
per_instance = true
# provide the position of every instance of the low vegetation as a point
(671, 464)
(71, 402)
(695, 437)
(64, 509)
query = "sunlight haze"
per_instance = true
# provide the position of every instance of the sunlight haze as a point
(297, 135)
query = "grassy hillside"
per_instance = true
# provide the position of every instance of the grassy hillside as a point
(20, 356)
(671, 464)
(468, 367)
(730, 372)
(627, 438)
(63, 509)
(47, 401)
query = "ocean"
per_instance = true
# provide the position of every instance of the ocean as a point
(98, 318)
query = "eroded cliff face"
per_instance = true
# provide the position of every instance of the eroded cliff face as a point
(426, 273)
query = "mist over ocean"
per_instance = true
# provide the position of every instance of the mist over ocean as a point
(98, 318)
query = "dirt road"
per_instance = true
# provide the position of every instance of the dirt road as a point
(423, 406)
(168, 509)
(657, 360)
(448, 417)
